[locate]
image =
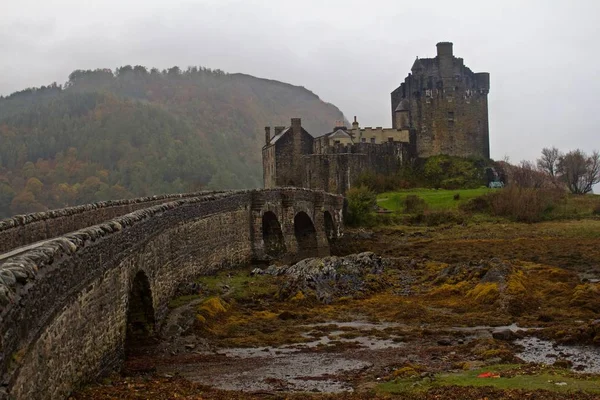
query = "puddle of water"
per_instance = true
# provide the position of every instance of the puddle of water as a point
(512, 327)
(584, 358)
(299, 372)
(365, 342)
(289, 367)
(284, 370)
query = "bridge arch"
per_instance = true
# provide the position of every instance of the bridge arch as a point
(141, 320)
(306, 235)
(272, 235)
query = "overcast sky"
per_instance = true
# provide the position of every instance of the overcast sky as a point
(543, 56)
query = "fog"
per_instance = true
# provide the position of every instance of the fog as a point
(542, 55)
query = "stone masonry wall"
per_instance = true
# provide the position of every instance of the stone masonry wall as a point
(64, 304)
(22, 230)
(338, 171)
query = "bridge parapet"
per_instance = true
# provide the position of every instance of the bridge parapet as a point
(64, 304)
(22, 230)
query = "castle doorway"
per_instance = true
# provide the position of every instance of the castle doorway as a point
(272, 235)
(306, 235)
(140, 314)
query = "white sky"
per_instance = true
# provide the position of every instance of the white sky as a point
(543, 56)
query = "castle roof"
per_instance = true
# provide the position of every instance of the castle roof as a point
(422, 64)
(337, 133)
(279, 135)
(404, 105)
(417, 65)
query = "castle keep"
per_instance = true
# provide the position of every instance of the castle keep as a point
(440, 108)
(446, 103)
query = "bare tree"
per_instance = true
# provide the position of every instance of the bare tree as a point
(549, 161)
(579, 171)
(526, 175)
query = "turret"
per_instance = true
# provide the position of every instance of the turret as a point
(483, 81)
(444, 49)
(402, 115)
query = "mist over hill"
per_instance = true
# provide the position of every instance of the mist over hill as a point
(136, 132)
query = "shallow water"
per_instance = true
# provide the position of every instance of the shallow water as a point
(584, 358)
(290, 372)
(293, 367)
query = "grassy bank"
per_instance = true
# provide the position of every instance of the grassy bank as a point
(436, 199)
(520, 205)
(504, 377)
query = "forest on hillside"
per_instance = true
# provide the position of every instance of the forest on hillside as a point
(135, 132)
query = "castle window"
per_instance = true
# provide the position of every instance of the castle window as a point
(390, 139)
(372, 140)
(450, 115)
(450, 123)
(337, 142)
(364, 140)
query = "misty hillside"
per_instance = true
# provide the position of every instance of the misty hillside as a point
(135, 132)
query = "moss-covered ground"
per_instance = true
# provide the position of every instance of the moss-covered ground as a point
(437, 284)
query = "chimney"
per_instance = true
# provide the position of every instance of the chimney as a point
(296, 125)
(355, 128)
(267, 134)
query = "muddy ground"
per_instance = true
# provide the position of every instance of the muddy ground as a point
(514, 301)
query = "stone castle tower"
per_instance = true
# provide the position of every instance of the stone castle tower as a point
(446, 104)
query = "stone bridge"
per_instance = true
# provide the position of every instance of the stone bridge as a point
(77, 283)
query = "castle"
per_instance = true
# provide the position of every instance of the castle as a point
(440, 108)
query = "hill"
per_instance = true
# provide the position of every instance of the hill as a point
(137, 132)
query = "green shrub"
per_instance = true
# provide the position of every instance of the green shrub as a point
(380, 183)
(479, 204)
(454, 172)
(414, 204)
(361, 206)
(454, 183)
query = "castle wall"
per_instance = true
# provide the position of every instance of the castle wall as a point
(333, 173)
(269, 167)
(381, 135)
(338, 170)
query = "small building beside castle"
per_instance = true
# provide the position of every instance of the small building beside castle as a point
(440, 108)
